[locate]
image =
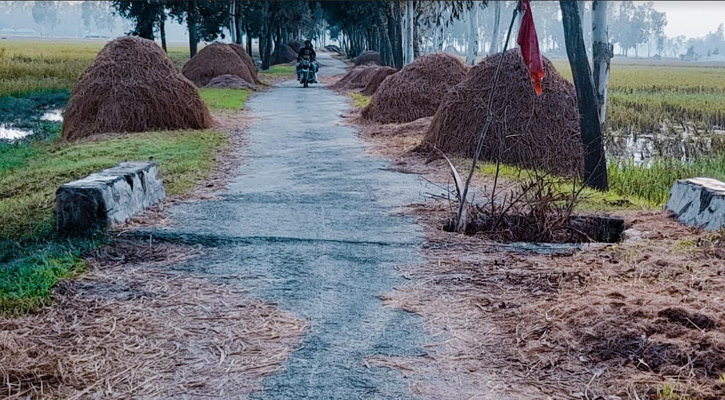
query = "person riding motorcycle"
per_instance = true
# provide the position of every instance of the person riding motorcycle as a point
(307, 51)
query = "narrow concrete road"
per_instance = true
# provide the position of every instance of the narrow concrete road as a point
(310, 224)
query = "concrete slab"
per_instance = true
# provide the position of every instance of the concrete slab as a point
(698, 202)
(108, 197)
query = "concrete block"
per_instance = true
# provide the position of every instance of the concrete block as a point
(698, 202)
(108, 197)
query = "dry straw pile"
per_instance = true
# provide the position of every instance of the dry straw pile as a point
(376, 79)
(368, 57)
(228, 81)
(133, 87)
(220, 59)
(531, 131)
(366, 77)
(416, 91)
(284, 54)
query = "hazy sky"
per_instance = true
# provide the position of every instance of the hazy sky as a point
(691, 18)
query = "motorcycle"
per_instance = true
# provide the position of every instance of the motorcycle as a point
(307, 72)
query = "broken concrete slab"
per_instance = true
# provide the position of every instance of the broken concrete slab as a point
(698, 202)
(108, 197)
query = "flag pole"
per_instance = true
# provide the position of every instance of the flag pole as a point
(462, 220)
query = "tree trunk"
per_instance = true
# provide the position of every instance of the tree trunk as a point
(396, 34)
(192, 21)
(267, 55)
(162, 30)
(601, 55)
(249, 45)
(595, 163)
(410, 34)
(493, 48)
(238, 23)
(472, 52)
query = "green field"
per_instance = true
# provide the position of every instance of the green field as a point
(644, 96)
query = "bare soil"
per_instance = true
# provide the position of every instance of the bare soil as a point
(641, 319)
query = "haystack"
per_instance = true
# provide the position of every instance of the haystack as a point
(376, 78)
(133, 87)
(229, 82)
(416, 91)
(296, 45)
(361, 77)
(217, 59)
(247, 59)
(368, 57)
(284, 54)
(527, 130)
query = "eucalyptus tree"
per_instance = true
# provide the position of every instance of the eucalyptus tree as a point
(595, 163)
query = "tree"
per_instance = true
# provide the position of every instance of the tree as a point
(45, 14)
(601, 55)
(595, 165)
(205, 20)
(493, 47)
(144, 14)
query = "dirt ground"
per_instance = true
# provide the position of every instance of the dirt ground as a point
(641, 319)
(130, 327)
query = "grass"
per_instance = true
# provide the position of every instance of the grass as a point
(224, 99)
(31, 171)
(280, 70)
(589, 199)
(27, 282)
(652, 183)
(360, 101)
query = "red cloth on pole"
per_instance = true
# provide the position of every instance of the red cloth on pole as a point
(529, 43)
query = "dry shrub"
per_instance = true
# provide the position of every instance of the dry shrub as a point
(368, 57)
(247, 59)
(134, 330)
(376, 79)
(218, 59)
(416, 90)
(284, 54)
(133, 87)
(527, 130)
(229, 82)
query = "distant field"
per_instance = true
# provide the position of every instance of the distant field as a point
(27, 66)
(646, 95)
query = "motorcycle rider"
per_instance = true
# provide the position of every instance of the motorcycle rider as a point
(307, 51)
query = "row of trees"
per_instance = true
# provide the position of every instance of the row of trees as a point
(393, 28)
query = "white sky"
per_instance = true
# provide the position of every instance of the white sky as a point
(691, 18)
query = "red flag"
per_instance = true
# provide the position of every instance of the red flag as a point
(529, 43)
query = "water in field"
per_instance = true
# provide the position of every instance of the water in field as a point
(10, 132)
(686, 145)
(15, 131)
(55, 115)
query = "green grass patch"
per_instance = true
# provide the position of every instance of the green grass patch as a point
(359, 100)
(31, 260)
(653, 182)
(26, 283)
(589, 199)
(29, 181)
(280, 70)
(224, 99)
